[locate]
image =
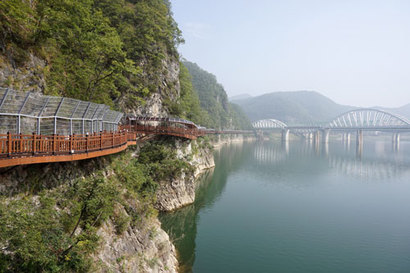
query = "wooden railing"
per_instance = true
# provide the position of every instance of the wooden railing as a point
(23, 145)
(19, 149)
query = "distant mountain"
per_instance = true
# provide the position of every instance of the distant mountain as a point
(240, 97)
(299, 107)
(403, 111)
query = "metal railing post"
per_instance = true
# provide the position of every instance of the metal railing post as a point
(71, 143)
(71, 126)
(38, 126)
(54, 143)
(18, 124)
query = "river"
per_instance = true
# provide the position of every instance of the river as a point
(268, 207)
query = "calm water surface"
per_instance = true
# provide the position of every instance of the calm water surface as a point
(271, 208)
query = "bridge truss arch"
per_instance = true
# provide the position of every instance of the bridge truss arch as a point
(268, 124)
(368, 118)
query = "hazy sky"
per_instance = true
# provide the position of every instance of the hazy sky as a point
(355, 52)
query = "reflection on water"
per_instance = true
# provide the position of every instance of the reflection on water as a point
(182, 224)
(384, 162)
(300, 207)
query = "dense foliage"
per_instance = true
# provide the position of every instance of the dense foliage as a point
(100, 51)
(188, 105)
(56, 231)
(213, 99)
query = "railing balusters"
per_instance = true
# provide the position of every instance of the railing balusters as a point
(20, 145)
(9, 144)
(34, 144)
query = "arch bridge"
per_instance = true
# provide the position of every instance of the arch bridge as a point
(368, 118)
(356, 120)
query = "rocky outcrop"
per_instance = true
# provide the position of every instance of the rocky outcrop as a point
(140, 248)
(180, 191)
(145, 249)
(220, 140)
(168, 90)
(29, 77)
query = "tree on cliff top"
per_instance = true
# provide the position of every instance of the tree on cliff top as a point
(94, 50)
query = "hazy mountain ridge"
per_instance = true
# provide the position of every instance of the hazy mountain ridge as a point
(403, 111)
(240, 97)
(301, 107)
(292, 107)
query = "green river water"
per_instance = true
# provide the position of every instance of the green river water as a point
(271, 208)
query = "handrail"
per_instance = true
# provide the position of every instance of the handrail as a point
(21, 149)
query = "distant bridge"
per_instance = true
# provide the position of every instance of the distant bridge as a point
(362, 119)
(358, 120)
(43, 129)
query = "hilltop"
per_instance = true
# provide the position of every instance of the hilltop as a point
(292, 107)
(300, 107)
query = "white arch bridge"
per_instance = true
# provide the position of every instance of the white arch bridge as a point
(357, 120)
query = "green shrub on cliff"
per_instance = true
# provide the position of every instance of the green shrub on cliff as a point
(56, 231)
(214, 100)
(188, 105)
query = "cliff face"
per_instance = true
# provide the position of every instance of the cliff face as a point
(169, 89)
(27, 77)
(180, 191)
(146, 249)
(140, 246)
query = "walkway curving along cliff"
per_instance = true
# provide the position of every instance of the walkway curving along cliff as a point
(62, 118)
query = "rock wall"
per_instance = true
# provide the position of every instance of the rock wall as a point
(142, 248)
(220, 140)
(145, 249)
(29, 77)
(169, 90)
(180, 192)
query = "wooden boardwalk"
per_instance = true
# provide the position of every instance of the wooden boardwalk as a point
(19, 149)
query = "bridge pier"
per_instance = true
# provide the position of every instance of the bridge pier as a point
(359, 143)
(346, 138)
(285, 135)
(325, 135)
(396, 141)
(308, 137)
(316, 138)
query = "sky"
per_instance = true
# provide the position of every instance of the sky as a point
(356, 52)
